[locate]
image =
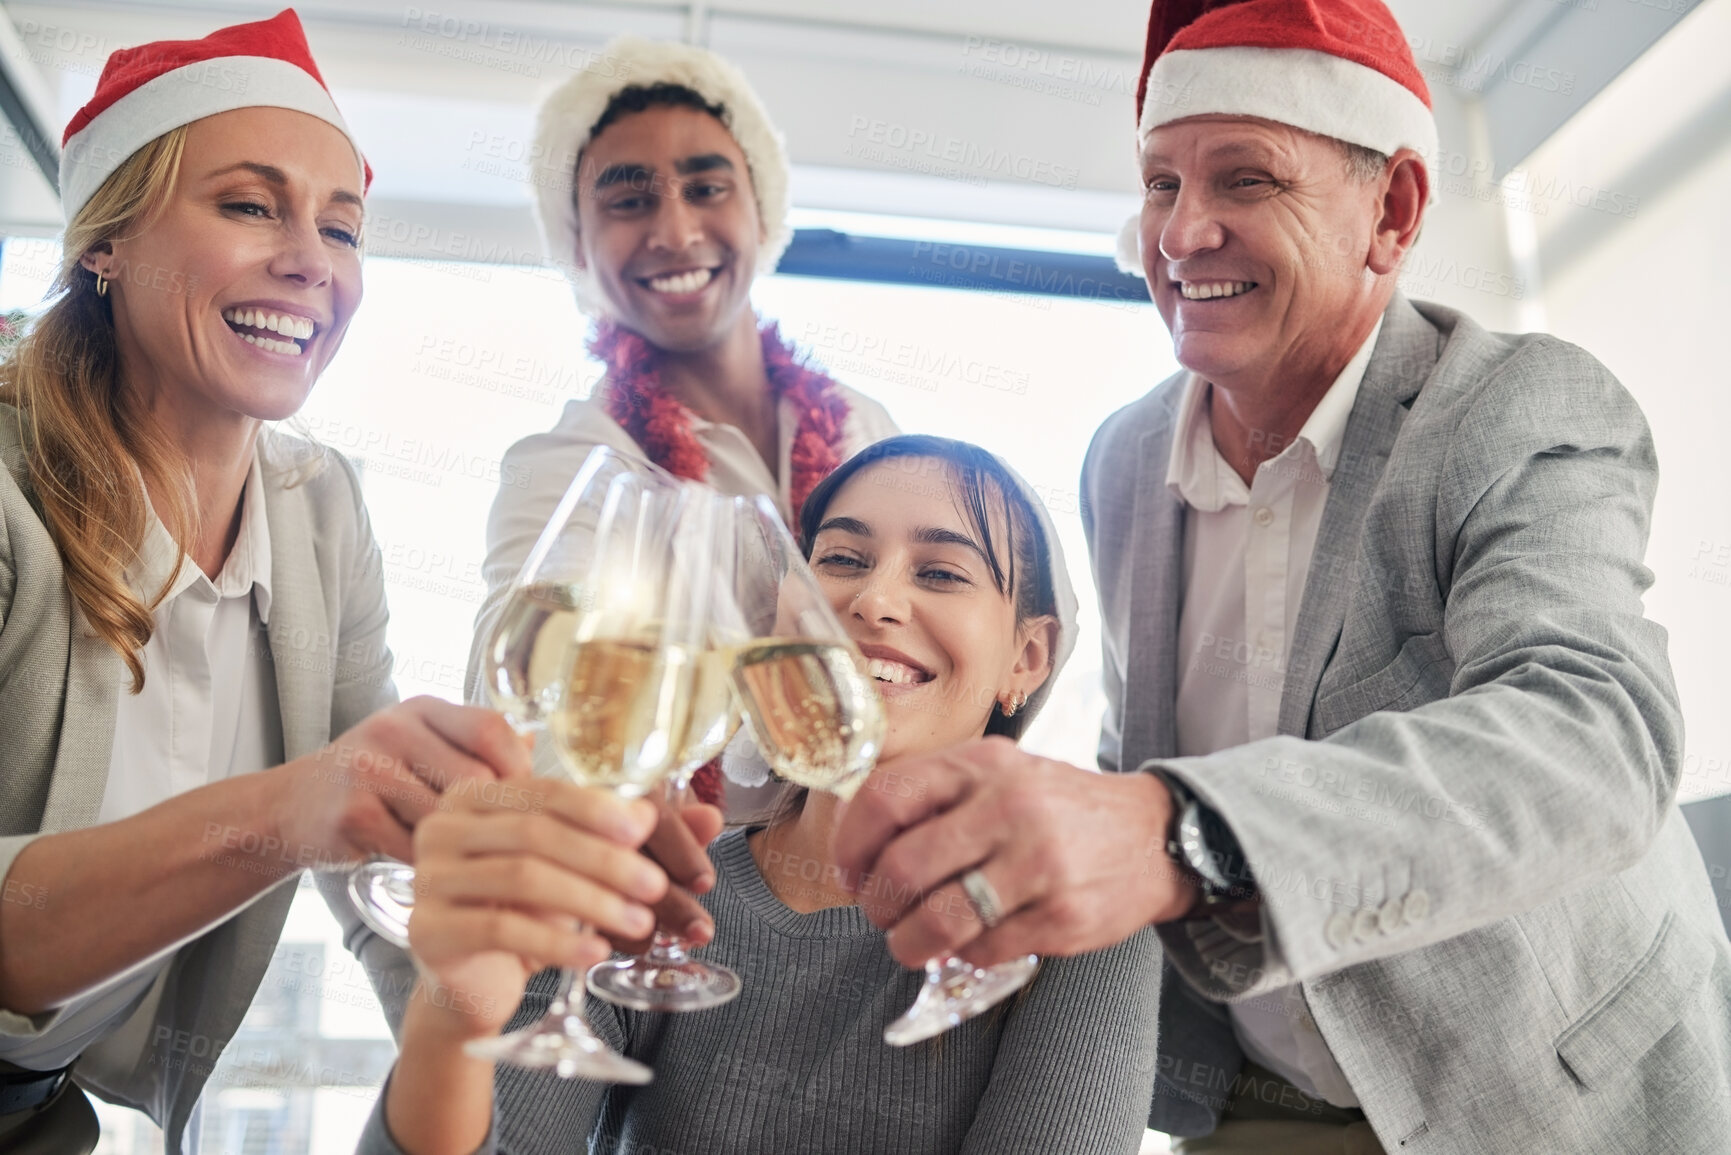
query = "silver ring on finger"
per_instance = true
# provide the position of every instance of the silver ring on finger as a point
(985, 898)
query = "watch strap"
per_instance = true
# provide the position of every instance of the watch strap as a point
(1219, 845)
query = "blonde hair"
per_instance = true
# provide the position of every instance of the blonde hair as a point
(93, 452)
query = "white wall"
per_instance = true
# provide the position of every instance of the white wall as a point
(1634, 258)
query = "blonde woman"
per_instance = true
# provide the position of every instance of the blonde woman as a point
(190, 607)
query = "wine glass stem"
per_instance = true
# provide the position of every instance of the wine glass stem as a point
(566, 1007)
(669, 949)
(677, 791)
(666, 950)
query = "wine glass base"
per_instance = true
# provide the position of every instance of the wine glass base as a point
(384, 897)
(643, 984)
(956, 992)
(539, 1048)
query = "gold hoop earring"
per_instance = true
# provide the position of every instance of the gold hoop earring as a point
(1017, 701)
(101, 286)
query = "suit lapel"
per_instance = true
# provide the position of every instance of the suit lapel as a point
(303, 644)
(94, 676)
(1157, 566)
(1406, 352)
(222, 971)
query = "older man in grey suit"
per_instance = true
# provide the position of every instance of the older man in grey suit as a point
(1371, 585)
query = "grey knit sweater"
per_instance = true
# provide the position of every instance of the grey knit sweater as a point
(797, 1063)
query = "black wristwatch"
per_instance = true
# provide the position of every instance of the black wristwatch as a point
(1204, 847)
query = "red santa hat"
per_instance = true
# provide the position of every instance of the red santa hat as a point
(566, 121)
(154, 88)
(1339, 68)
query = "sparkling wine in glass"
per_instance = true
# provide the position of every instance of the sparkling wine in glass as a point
(813, 713)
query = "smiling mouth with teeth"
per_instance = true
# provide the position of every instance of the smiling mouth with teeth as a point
(674, 283)
(1209, 290)
(272, 332)
(895, 673)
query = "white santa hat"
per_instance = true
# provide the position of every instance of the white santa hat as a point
(566, 121)
(154, 88)
(1339, 68)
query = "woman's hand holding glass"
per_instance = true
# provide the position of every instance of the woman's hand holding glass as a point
(522, 663)
(512, 883)
(364, 793)
(621, 651)
(663, 976)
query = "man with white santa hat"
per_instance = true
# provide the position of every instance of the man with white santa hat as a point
(1400, 750)
(661, 189)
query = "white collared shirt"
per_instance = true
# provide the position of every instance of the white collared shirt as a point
(208, 710)
(1247, 551)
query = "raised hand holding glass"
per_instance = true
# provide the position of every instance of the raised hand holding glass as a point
(521, 665)
(621, 711)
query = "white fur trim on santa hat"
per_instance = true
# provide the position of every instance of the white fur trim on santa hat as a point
(1128, 253)
(563, 125)
(180, 97)
(1315, 91)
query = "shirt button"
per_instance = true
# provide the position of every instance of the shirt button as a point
(1338, 929)
(1364, 924)
(1389, 917)
(1417, 907)
(1264, 516)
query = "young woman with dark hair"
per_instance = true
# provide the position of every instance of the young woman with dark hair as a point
(944, 568)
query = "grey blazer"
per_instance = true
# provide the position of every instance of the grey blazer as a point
(59, 686)
(1465, 834)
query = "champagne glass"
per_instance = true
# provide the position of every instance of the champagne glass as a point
(521, 662)
(624, 706)
(808, 704)
(666, 977)
(819, 722)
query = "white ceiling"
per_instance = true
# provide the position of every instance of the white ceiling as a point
(1034, 96)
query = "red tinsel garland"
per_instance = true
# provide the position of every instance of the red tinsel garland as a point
(661, 424)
